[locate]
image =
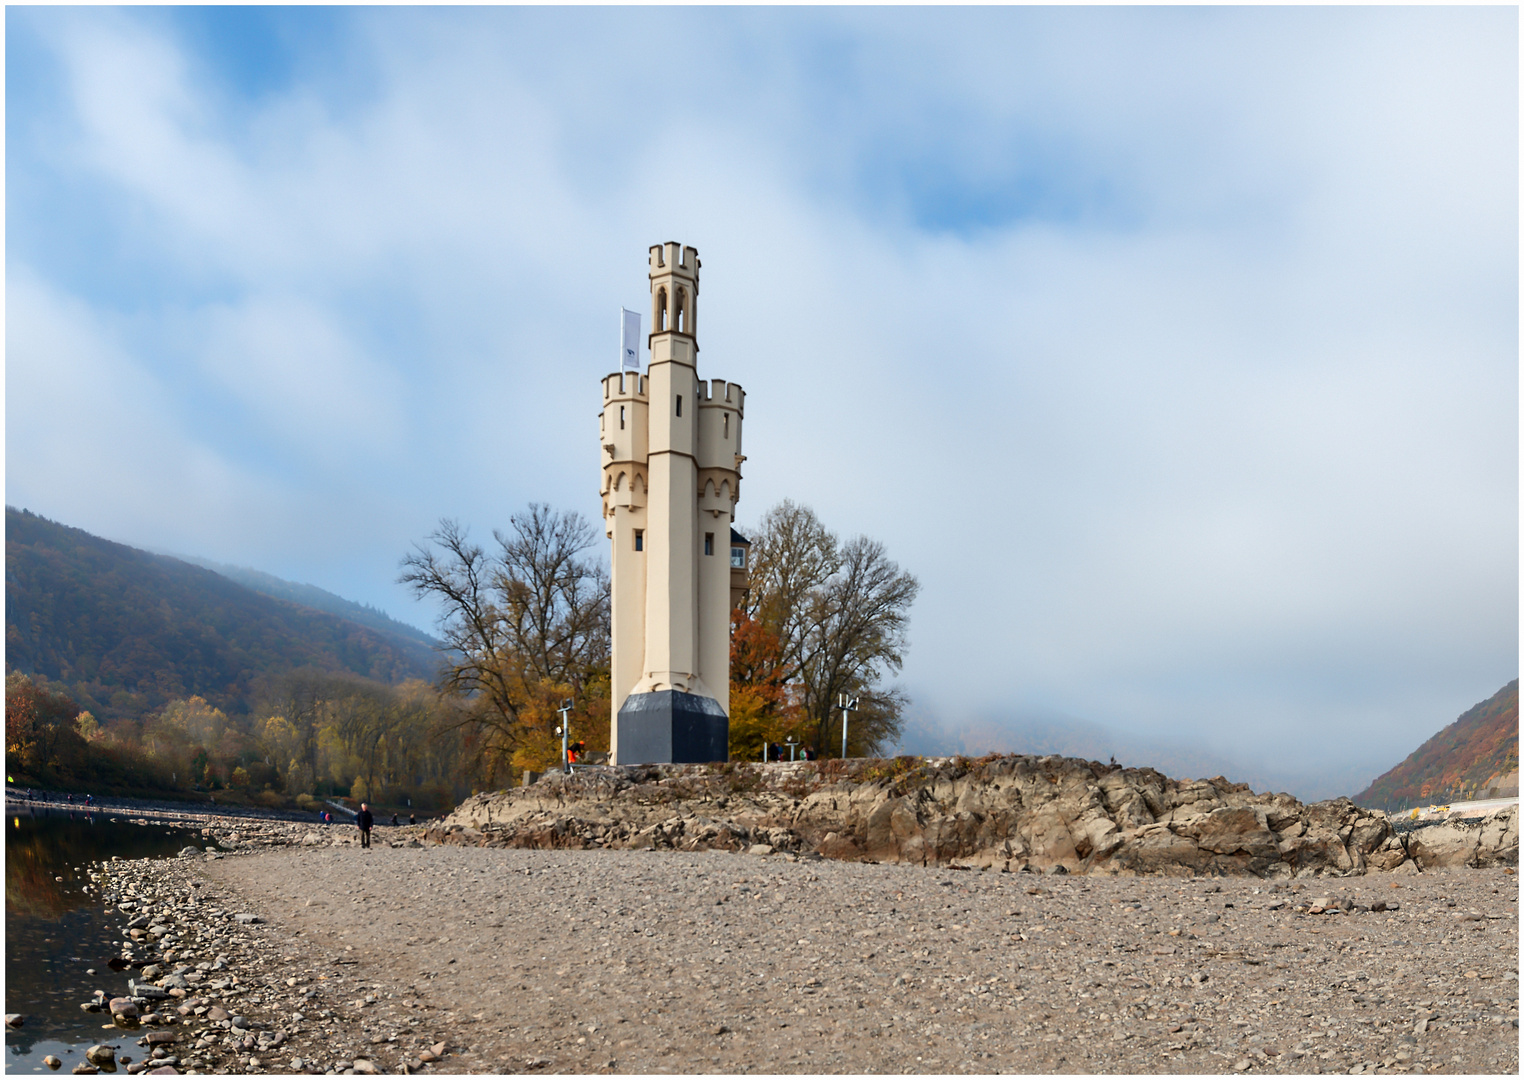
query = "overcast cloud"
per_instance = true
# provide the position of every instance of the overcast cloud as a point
(1176, 351)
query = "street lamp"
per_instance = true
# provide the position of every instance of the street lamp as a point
(792, 742)
(564, 731)
(848, 705)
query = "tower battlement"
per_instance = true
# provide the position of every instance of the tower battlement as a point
(626, 384)
(674, 258)
(714, 392)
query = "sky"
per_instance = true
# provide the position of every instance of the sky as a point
(1175, 351)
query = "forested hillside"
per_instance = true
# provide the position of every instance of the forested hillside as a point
(1459, 761)
(125, 631)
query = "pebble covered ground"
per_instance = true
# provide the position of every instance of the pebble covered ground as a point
(505, 960)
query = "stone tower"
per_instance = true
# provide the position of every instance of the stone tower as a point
(671, 477)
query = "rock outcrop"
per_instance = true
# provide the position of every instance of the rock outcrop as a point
(1009, 812)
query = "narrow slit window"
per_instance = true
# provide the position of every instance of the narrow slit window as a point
(621, 418)
(679, 404)
(726, 432)
(640, 539)
(709, 543)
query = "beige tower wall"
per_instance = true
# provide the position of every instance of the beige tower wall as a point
(624, 428)
(671, 653)
(718, 456)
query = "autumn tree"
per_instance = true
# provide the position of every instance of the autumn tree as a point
(524, 627)
(762, 709)
(840, 613)
(40, 733)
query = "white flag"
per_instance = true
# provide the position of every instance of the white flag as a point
(629, 340)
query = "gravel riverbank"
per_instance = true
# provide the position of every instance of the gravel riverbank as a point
(282, 951)
(654, 962)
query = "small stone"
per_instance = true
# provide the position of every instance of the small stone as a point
(217, 1013)
(428, 1056)
(188, 852)
(246, 918)
(363, 1067)
(100, 1055)
(51, 1062)
(438, 1049)
(161, 1038)
(14, 1019)
(760, 849)
(152, 971)
(85, 1069)
(1241, 1065)
(123, 1007)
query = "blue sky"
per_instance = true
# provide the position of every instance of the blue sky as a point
(1175, 350)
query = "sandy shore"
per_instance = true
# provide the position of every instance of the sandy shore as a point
(648, 962)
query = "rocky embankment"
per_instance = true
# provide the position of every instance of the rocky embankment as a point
(212, 989)
(1011, 812)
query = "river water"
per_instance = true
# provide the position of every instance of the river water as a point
(55, 931)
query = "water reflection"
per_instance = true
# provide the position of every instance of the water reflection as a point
(55, 931)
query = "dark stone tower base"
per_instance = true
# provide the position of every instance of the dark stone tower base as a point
(672, 726)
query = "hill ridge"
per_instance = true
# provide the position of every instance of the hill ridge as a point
(126, 630)
(1455, 762)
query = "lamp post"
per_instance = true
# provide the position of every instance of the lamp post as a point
(792, 742)
(564, 732)
(848, 705)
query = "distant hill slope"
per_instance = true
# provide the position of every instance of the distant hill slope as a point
(313, 597)
(126, 631)
(1482, 744)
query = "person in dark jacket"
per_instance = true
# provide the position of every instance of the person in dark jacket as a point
(364, 821)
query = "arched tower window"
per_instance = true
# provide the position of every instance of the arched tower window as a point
(661, 311)
(682, 311)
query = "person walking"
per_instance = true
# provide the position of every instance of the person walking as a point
(394, 821)
(411, 820)
(364, 821)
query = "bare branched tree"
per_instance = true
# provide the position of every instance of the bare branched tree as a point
(840, 612)
(530, 616)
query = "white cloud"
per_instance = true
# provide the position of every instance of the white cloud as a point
(1218, 420)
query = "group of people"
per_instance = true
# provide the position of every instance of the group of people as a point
(775, 753)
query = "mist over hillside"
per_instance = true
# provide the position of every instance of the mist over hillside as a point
(1034, 733)
(312, 596)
